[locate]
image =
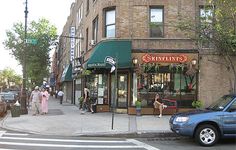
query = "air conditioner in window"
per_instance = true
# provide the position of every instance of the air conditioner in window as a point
(92, 43)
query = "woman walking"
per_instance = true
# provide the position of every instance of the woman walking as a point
(44, 103)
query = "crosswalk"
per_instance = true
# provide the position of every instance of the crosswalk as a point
(20, 141)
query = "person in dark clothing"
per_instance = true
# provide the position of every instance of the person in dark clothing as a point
(85, 104)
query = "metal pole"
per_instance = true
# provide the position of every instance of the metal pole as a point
(116, 96)
(23, 94)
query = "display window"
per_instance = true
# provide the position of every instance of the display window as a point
(97, 84)
(174, 82)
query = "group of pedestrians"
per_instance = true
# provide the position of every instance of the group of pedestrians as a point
(39, 101)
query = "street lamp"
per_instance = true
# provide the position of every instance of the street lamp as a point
(23, 94)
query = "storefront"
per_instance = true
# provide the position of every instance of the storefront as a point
(110, 87)
(173, 75)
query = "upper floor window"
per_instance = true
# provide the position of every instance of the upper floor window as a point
(206, 19)
(156, 22)
(80, 14)
(95, 29)
(110, 23)
(87, 7)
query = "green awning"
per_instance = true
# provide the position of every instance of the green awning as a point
(117, 49)
(67, 73)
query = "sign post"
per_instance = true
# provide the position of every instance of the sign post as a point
(113, 62)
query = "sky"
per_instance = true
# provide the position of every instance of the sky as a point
(12, 11)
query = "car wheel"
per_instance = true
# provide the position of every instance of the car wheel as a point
(206, 135)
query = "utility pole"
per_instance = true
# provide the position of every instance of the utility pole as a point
(23, 94)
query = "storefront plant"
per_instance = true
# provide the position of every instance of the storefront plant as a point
(197, 104)
(138, 105)
(80, 102)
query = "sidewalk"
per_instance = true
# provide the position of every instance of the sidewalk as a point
(66, 120)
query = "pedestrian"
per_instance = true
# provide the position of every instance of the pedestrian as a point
(85, 104)
(158, 104)
(35, 99)
(60, 95)
(56, 93)
(44, 103)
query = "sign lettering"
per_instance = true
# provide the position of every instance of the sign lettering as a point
(152, 58)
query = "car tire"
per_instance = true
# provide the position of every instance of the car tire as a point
(206, 135)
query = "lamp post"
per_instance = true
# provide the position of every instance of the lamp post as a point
(23, 94)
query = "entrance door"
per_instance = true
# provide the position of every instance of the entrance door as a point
(122, 90)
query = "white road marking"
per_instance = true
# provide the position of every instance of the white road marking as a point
(8, 149)
(62, 140)
(16, 134)
(141, 144)
(2, 133)
(72, 146)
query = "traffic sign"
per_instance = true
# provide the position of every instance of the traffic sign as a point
(31, 41)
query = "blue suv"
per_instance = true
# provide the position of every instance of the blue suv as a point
(209, 125)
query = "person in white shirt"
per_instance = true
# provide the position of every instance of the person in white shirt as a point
(60, 94)
(36, 98)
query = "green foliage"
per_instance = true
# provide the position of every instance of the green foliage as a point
(138, 103)
(36, 56)
(8, 76)
(80, 101)
(86, 72)
(216, 28)
(197, 104)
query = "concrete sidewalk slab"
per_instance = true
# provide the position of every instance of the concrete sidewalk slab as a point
(67, 120)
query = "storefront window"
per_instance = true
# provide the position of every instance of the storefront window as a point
(170, 83)
(97, 83)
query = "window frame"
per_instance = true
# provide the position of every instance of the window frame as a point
(161, 24)
(205, 43)
(108, 25)
(95, 29)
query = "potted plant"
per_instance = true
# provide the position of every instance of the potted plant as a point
(197, 104)
(80, 102)
(138, 105)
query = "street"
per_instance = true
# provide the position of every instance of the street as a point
(24, 141)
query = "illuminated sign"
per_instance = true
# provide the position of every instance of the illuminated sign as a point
(169, 58)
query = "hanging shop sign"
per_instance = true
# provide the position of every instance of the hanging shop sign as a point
(167, 58)
(72, 43)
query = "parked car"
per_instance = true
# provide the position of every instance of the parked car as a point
(9, 98)
(209, 125)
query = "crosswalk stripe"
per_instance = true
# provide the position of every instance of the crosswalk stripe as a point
(2, 133)
(7, 149)
(16, 134)
(146, 146)
(62, 140)
(73, 146)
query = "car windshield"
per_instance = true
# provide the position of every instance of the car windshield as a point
(221, 103)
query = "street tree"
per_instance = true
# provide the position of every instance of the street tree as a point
(216, 29)
(36, 54)
(8, 78)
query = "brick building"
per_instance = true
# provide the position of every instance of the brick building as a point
(150, 55)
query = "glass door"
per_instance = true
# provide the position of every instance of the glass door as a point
(122, 90)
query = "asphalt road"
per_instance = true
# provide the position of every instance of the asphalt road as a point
(23, 141)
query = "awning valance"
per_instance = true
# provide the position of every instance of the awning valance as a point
(67, 73)
(118, 49)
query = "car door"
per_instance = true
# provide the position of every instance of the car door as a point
(229, 120)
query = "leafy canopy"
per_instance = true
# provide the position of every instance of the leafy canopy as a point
(36, 56)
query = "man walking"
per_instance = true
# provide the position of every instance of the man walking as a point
(60, 94)
(35, 98)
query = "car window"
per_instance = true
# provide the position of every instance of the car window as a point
(221, 103)
(232, 108)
